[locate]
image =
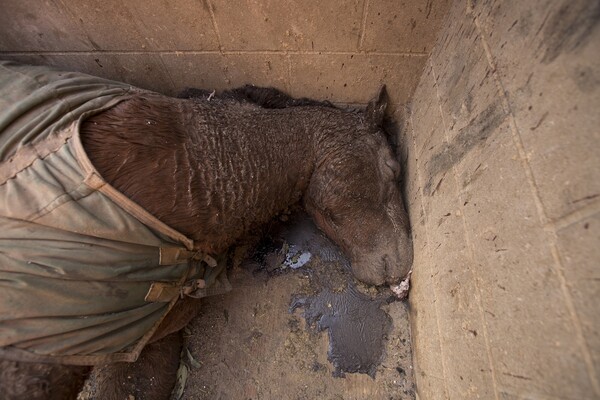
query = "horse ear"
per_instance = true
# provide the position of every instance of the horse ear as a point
(376, 108)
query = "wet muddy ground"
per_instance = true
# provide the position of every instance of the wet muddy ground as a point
(297, 326)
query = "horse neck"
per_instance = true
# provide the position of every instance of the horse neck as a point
(253, 165)
(211, 170)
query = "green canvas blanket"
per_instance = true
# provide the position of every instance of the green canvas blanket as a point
(86, 275)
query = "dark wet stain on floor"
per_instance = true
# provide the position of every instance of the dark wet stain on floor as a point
(356, 326)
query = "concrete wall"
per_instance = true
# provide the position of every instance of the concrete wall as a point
(503, 187)
(337, 50)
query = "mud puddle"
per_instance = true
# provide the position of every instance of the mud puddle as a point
(266, 339)
(356, 328)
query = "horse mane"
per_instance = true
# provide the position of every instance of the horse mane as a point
(265, 97)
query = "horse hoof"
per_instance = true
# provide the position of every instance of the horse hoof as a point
(151, 377)
(31, 381)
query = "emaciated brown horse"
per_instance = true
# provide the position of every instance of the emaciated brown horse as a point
(215, 167)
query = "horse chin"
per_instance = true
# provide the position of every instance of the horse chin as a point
(397, 272)
(399, 267)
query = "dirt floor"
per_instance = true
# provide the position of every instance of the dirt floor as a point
(252, 344)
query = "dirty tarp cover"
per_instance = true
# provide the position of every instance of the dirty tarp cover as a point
(75, 267)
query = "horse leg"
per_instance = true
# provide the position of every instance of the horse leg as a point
(35, 381)
(182, 313)
(151, 377)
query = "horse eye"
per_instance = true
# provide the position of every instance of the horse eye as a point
(334, 218)
(394, 166)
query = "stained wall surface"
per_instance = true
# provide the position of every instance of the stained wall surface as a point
(335, 50)
(504, 195)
